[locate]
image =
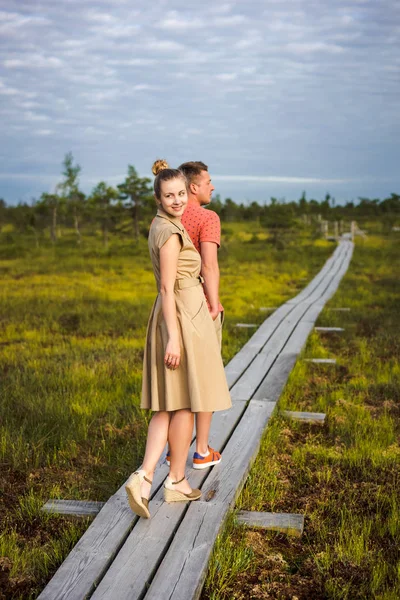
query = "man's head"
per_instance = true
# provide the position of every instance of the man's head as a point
(200, 188)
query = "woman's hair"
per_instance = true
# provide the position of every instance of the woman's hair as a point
(163, 172)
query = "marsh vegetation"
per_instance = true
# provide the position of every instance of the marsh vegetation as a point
(343, 476)
(72, 334)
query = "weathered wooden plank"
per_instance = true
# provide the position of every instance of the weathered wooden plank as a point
(292, 524)
(313, 312)
(306, 417)
(137, 560)
(182, 571)
(321, 361)
(307, 292)
(255, 373)
(331, 282)
(273, 384)
(75, 508)
(91, 557)
(329, 329)
(246, 355)
(298, 337)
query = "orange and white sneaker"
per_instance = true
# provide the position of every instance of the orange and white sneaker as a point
(203, 462)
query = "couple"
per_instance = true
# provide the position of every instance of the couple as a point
(183, 371)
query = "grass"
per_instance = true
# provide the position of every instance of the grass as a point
(72, 334)
(343, 476)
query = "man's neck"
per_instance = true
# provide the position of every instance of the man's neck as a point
(193, 200)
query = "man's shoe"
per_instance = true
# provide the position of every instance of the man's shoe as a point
(203, 462)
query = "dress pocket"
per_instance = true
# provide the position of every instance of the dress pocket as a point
(200, 315)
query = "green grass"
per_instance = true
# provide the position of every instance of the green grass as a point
(72, 330)
(343, 476)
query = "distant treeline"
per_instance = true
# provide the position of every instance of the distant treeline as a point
(132, 201)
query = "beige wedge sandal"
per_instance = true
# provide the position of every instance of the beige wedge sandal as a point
(138, 504)
(172, 495)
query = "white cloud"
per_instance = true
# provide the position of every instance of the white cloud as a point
(175, 21)
(230, 21)
(288, 85)
(311, 47)
(163, 46)
(44, 132)
(226, 76)
(34, 61)
(277, 179)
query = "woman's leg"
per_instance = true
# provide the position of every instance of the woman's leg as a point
(179, 438)
(203, 424)
(157, 435)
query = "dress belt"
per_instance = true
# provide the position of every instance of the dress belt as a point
(188, 282)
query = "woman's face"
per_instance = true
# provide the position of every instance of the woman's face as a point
(173, 196)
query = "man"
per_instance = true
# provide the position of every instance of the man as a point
(204, 228)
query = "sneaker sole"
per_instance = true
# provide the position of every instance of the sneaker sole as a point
(206, 465)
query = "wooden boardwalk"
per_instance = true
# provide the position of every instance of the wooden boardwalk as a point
(121, 557)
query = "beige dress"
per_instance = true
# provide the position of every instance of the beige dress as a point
(199, 383)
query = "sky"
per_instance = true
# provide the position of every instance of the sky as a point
(276, 97)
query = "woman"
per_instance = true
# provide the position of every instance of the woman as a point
(182, 369)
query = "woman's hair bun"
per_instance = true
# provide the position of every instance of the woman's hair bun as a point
(159, 165)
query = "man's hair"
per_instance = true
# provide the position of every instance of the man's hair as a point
(193, 169)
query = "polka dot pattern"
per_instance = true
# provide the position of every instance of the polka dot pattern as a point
(203, 226)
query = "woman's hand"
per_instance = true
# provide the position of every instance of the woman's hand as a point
(172, 355)
(214, 313)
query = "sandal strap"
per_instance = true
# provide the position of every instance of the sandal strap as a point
(176, 482)
(144, 477)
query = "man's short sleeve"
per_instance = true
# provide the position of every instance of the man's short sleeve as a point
(210, 230)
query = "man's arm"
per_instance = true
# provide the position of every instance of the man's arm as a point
(210, 272)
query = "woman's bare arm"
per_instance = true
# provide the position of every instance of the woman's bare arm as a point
(169, 254)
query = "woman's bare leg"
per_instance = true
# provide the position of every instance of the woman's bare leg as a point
(157, 435)
(179, 438)
(203, 424)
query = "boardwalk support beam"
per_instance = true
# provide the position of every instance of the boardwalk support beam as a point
(291, 524)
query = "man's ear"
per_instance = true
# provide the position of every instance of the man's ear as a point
(193, 188)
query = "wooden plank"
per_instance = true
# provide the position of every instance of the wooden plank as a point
(298, 338)
(75, 508)
(91, 558)
(291, 524)
(329, 329)
(273, 384)
(321, 361)
(140, 555)
(306, 417)
(255, 373)
(246, 355)
(329, 284)
(182, 571)
(326, 271)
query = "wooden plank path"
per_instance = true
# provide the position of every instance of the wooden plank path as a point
(123, 557)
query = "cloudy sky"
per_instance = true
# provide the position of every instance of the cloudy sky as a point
(276, 96)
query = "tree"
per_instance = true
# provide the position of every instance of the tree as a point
(52, 201)
(101, 199)
(74, 198)
(138, 193)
